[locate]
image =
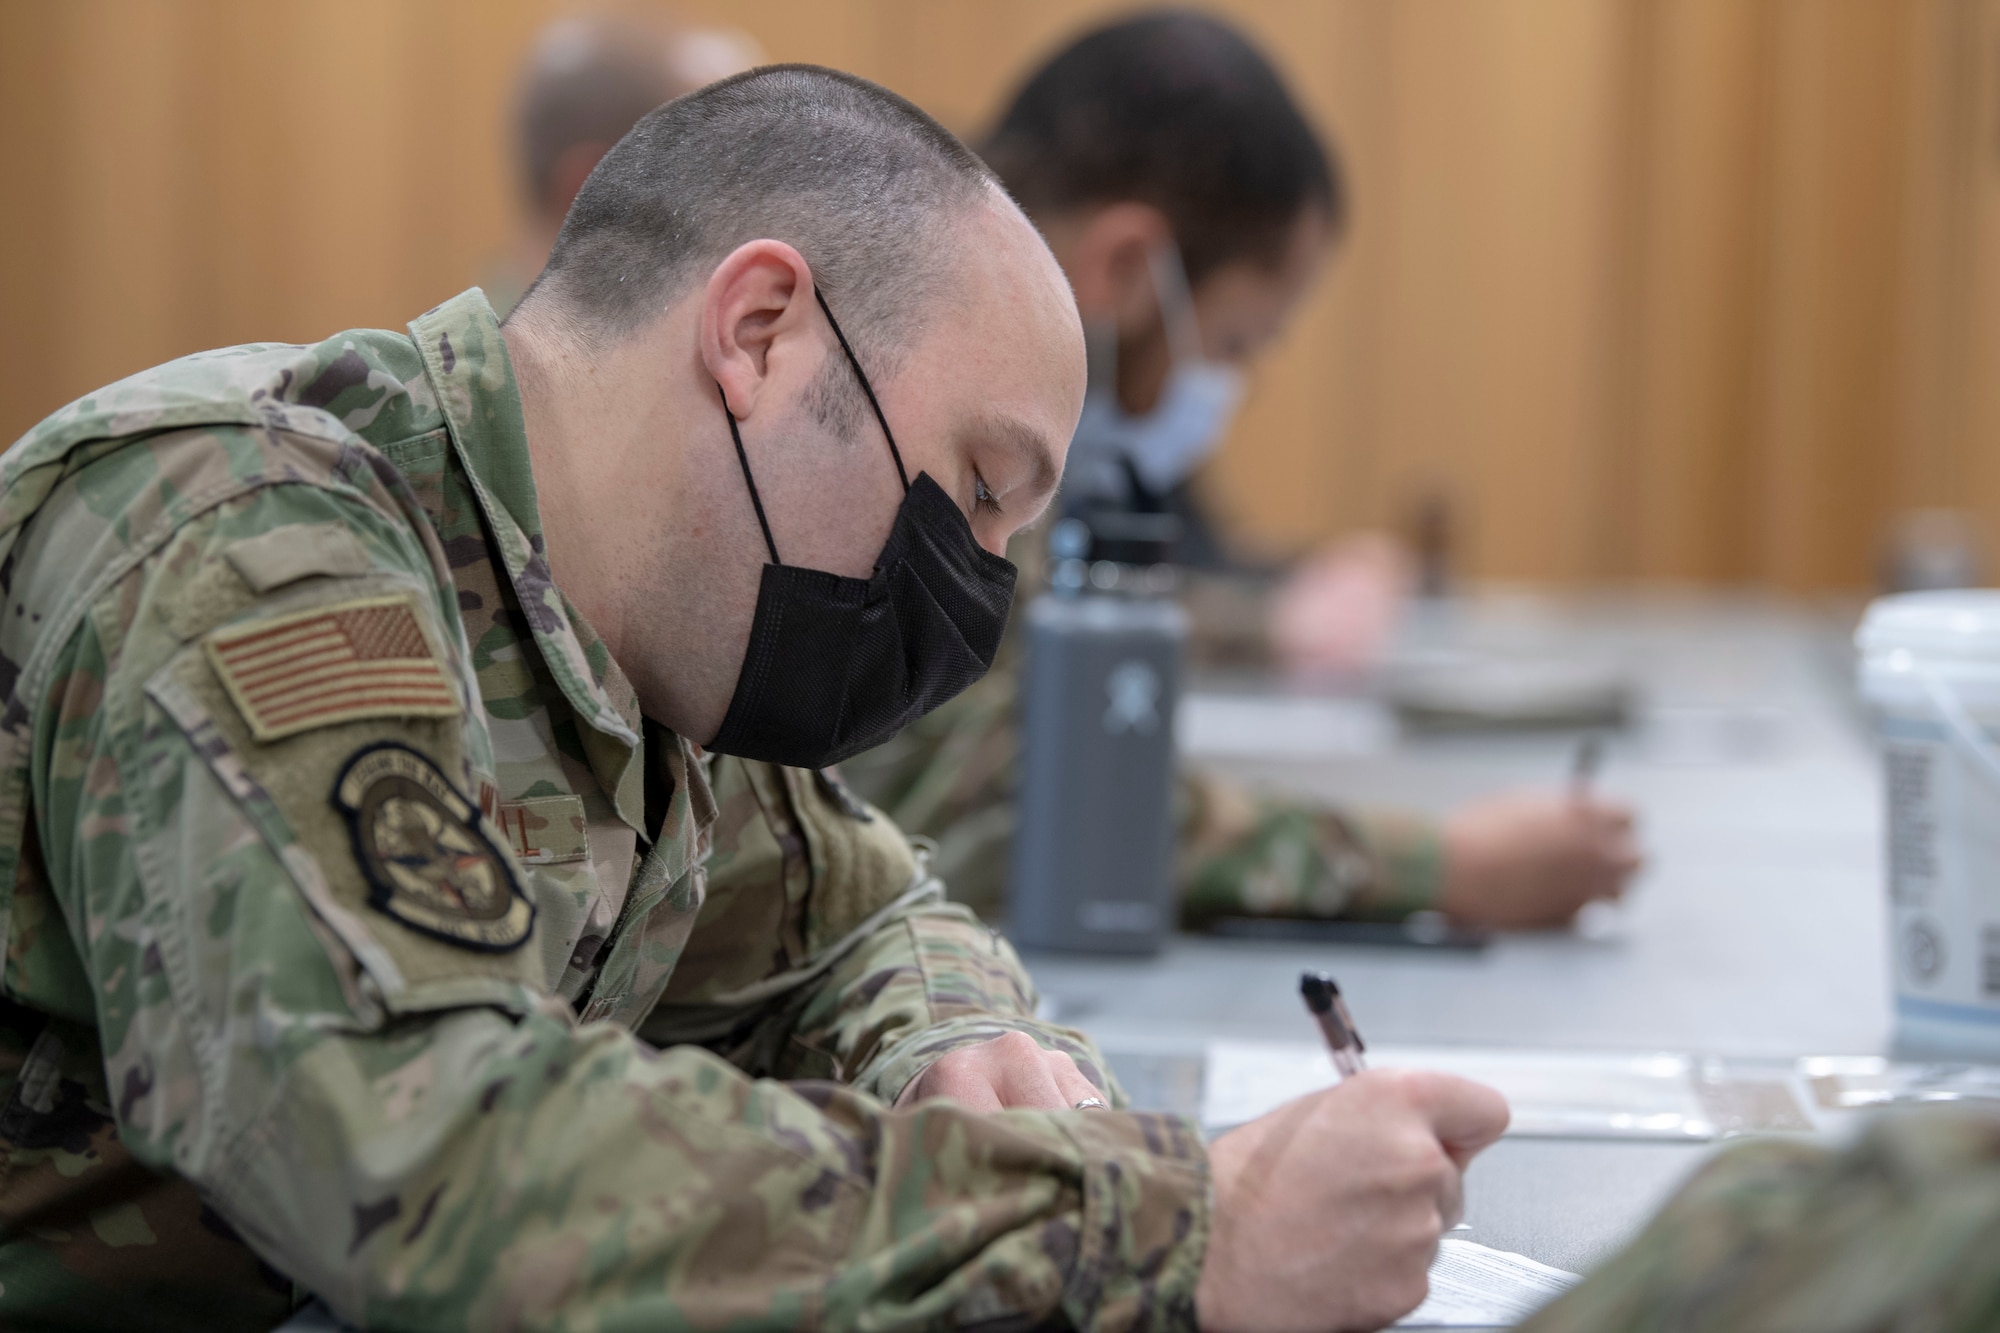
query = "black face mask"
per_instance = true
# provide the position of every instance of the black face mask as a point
(838, 665)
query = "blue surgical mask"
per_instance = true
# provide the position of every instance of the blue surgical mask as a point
(1162, 448)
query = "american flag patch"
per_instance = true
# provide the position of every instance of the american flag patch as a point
(365, 658)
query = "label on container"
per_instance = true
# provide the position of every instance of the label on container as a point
(1943, 864)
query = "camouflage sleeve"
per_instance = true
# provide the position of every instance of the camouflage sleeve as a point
(949, 776)
(406, 1126)
(1248, 854)
(1898, 1232)
(937, 980)
(825, 949)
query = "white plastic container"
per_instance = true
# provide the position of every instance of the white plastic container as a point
(1930, 666)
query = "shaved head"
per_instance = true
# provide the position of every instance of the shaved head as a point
(869, 189)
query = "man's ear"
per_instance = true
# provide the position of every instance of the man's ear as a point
(757, 303)
(1111, 271)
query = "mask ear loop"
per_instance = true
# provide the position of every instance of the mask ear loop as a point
(748, 480)
(866, 388)
(1170, 286)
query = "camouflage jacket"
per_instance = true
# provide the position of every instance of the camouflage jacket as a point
(1898, 1234)
(337, 866)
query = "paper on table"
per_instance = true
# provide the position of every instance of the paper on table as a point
(1553, 1093)
(1476, 1287)
(1862, 1082)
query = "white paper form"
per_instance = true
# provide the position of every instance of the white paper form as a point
(1552, 1093)
(1476, 1287)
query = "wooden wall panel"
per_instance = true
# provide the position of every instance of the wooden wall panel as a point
(1828, 418)
(32, 292)
(1669, 289)
(1974, 429)
(1679, 434)
(1948, 394)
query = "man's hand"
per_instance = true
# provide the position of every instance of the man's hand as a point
(1522, 861)
(1328, 1210)
(1011, 1072)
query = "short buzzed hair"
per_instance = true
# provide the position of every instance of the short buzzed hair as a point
(1178, 110)
(863, 184)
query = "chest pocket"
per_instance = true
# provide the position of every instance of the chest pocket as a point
(667, 890)
(860, 860)
(800, 866)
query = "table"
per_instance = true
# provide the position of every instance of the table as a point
(1757, 930)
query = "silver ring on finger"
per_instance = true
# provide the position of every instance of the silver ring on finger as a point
(1092, 1104)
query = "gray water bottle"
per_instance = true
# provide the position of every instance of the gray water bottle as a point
(1092, 865)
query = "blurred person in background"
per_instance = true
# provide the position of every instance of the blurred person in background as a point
(1192, 206)
(585, 81)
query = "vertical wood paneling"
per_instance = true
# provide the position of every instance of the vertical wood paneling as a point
(1681, 289)
(32, 287)
(1975, 438)
(1698, 220)
(1829, 426)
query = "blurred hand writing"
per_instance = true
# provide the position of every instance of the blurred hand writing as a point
(1526, 860)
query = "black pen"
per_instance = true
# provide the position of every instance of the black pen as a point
(1322, 998)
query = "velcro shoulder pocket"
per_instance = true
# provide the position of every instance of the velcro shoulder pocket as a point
(274, 559)
(363, 795)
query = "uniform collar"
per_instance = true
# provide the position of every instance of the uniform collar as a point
(466, 360)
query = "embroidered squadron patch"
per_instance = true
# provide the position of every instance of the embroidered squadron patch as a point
(427, 861)
(364, 658)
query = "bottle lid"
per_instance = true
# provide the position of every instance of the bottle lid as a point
(1959, 624)
(1126, 538)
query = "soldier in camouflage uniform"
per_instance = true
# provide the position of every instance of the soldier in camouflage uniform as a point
(374, 484)
(1192, 206)
(364, 937)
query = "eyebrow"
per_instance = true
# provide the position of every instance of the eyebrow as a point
(1025, 442)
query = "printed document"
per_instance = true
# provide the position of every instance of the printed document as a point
(1475, 1287)
(1564, 1094)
